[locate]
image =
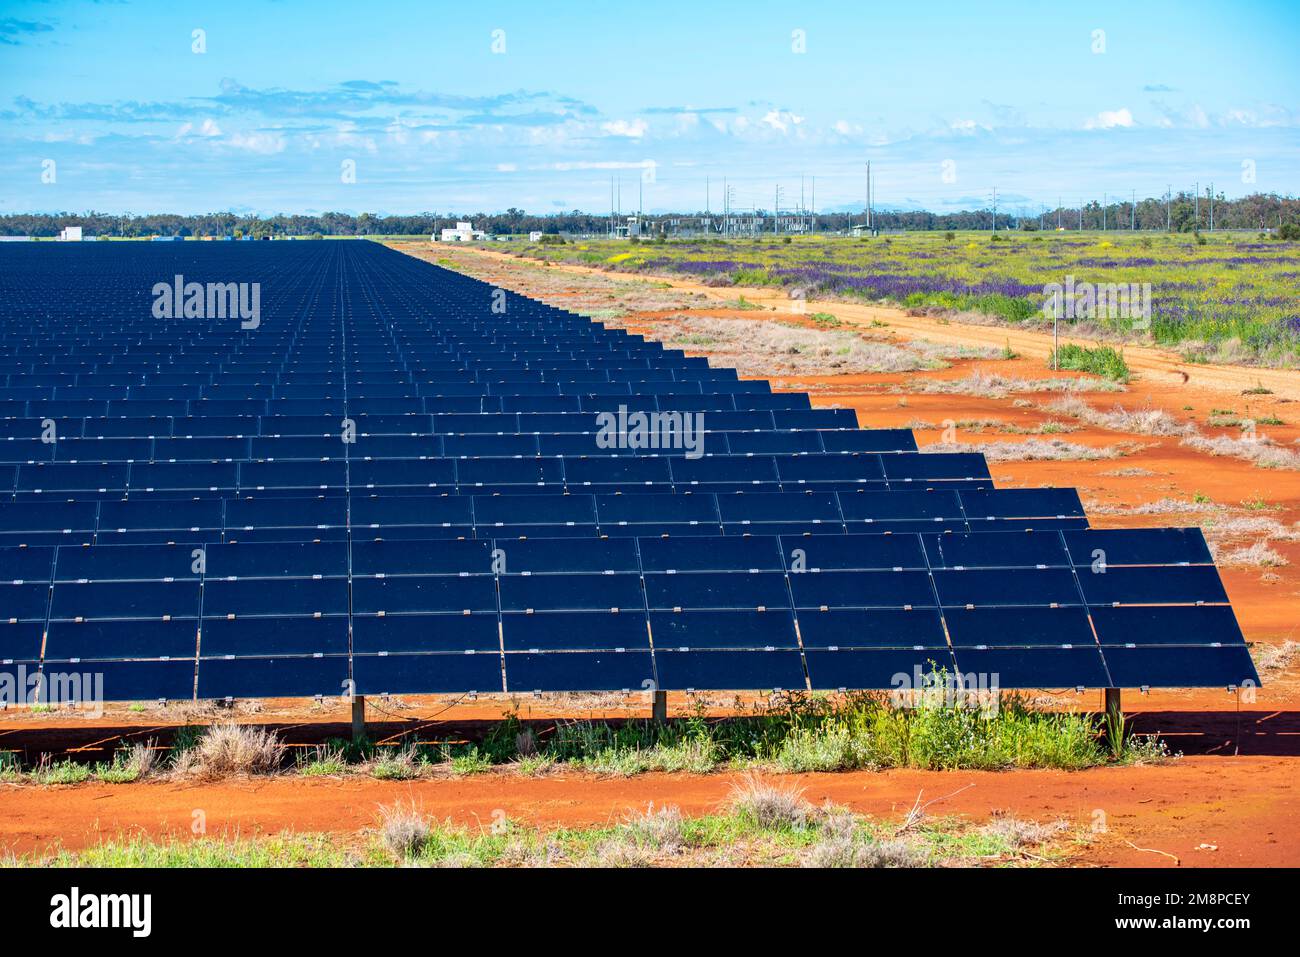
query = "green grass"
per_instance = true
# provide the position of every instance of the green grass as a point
(936, 731)
(1102, 360)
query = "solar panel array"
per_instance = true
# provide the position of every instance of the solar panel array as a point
(398, 482)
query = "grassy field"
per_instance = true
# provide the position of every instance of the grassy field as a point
(1220, 297)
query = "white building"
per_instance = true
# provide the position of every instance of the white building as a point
(70, 234)
(535, 236)
(462, 233)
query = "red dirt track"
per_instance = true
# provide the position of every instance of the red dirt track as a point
(1245, 807)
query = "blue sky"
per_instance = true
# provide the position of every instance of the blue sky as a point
(435, 110)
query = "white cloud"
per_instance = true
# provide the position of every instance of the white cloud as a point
(781, 120)
(1109, 119)
(506, 167)
(259, 142)
(636, 129)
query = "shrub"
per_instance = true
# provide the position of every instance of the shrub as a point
(1102, 360)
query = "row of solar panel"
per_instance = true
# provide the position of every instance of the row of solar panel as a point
(83, 432)
(478, 594)
(677, 442)
(1198, 626)
(1038, 550)
(637, 670)
(198, 410)
(389, 511)
(713, 472)
(567, 384)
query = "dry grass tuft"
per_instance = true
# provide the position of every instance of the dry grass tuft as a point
(1259, 450)
(1276, 657)
(403, 828)
(1259, 555)
(1020, 833)
(770, 805)
(995, 386)
(229, 749)
(1119, 419)
(1031, 450)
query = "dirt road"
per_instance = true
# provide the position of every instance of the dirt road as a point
(1200, 811)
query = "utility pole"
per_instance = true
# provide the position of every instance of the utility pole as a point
(1104, 201)
(1058, 212)
(995, 210)
(812, 221)
(1196, 206)
(1169, 208)
(1133, 211)
(1211, 192)
(868, 197)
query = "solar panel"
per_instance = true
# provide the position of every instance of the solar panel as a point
(1181, 667)
(728, 670)
(1152, 585)
(575, 631)
(877, 668)
(734, 589)
(723, 629)
(385, 483)
(426, 674)
(109, 640)
(1076, 667)
(268, 677)
(372, 634)
(580, 671)
(281, 635)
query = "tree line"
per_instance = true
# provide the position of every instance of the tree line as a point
(1183, 212)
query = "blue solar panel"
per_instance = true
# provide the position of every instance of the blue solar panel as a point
(1153, 585)
(729, 670)
(1181, 667)
(716, 590)
(419, 633)
(872, 589)
(1166, 625)
(1050, 668)
(21, 640)
(426, 674)
(872, 628)
(546, 556)
(267, 677)
(424, 593)
(333, 494)
(1138, 546)
(288, 596)
(127, 680)
(125, 600)
(1018, 627)
(575, 631)
(1028, 549)
(437, 557)
(852, 552)
(580, 671)
(757, 553)
(567, 592)
(281, 635)
(106, 640)
(876, 668)
(723, 629)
